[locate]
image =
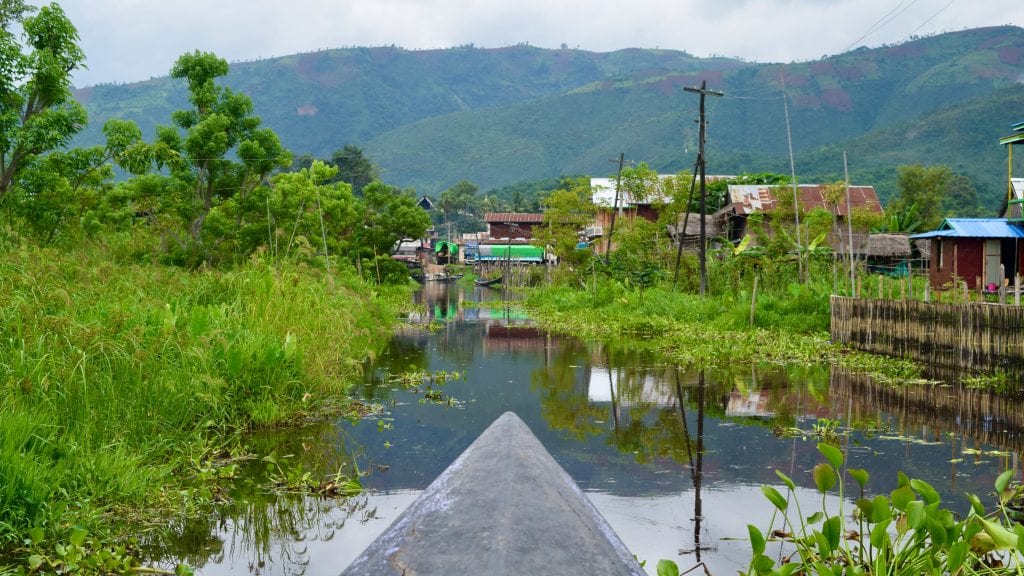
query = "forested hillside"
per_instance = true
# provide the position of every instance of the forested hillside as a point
(500, 116)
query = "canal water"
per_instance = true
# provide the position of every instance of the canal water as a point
(672, 456)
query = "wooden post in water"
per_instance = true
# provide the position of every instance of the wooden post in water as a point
(880, 281)
(1016, 289)
(927, 288)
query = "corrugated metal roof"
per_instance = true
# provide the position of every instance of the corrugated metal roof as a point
(515, 217)
(974, 228)
(745, 199)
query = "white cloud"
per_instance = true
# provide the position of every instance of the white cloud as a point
(131, 40)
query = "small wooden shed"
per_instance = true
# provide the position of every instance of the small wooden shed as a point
(985, 250)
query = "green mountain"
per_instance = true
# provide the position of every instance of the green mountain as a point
(499, 116)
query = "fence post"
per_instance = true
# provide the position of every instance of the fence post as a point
(1016, 289)
(1002, 284)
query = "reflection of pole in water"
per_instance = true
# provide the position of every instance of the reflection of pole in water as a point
(698, 472)
(696, 468)
(615, 403)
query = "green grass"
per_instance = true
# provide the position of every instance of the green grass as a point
(114, 378)
(790, 324)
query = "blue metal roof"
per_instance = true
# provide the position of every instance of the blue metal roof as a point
(974, 228)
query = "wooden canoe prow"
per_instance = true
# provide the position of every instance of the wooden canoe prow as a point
(503, 507)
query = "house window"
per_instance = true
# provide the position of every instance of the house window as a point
(938, 255)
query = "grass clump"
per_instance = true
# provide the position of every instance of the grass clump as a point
(113, 378)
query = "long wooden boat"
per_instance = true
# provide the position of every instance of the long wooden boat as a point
(477, 513)
(490, 282)
(445, 277)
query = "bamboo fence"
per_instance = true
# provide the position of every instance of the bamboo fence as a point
(968, 337)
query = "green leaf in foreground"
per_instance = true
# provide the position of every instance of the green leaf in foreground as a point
(824, 477)
(833, 454)
(773, 495)
(667, 568)
(756, 539)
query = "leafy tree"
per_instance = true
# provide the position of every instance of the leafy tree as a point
(220, 125)
(307, 211)
(640, 254)
(640, 183)
(386, 216)
(566, 212)
(924, 188)
(818, 222)
(37, 112)
(354, 167)
(62, 188)
(962, 199)
(864, 219)
(675, 192)
(460, 208)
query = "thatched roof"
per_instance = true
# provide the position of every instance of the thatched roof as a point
(888, 245)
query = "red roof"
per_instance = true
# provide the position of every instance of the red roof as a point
(746, 199)
(514, 217)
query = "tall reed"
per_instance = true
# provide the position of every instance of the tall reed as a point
(112, 377)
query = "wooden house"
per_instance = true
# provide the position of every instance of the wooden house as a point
(989, 251)
(512, 225)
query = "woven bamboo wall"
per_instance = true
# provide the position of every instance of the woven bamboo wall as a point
(971, 337)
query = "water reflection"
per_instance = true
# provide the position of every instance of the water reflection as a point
(672, 456)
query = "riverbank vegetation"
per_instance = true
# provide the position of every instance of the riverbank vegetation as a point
(765, 298)
(118, 379)
(161, 300)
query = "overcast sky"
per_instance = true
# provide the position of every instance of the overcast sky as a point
(132, 40)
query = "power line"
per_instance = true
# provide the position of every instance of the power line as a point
(891, 15)
(932, 17)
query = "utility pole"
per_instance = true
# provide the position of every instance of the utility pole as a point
(792, 174)
(681, 234)
(615, 207)
(849, 224)
(703, 91)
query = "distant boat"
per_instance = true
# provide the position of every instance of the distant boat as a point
(490, 282)
(444, 277)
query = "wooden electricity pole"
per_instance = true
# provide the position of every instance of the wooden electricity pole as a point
(703, 91)
(615, 207)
